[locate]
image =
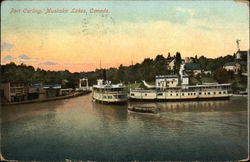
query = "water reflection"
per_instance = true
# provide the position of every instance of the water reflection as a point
(111, 112)
(15, 112)
(80, 129)
(234, 104)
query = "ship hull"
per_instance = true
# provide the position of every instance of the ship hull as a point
(110, 98)
(178, 96)
(179, 99)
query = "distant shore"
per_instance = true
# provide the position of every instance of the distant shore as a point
(75, 94)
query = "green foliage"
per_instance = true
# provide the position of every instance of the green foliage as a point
(214, 64)
(146, 70)
(193, 81)
(223, 76)
(177, 62)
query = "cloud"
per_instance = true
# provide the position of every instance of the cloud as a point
(24, 57)
(179, 15)
(5, 46)
(8, 58)
(205, 28)
(49, 63)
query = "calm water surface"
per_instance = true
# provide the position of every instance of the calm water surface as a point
(79, 129)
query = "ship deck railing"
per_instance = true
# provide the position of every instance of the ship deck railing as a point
(112, 92)
(183, 90)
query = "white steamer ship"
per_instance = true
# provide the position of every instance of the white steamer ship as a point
(173, 87)
(106, 92)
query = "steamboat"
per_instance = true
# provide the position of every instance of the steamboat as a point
(176, 87)
(105, 92)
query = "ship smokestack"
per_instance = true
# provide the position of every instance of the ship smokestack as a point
(181, 72)
(104, 75)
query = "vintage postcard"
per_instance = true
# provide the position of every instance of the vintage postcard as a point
(104, 80)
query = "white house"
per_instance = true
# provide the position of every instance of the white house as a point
(171, 63)
(232, 66)
(163, 81)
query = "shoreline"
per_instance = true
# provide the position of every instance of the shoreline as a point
(75, 94)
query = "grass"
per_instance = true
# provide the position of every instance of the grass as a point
(207, 80)
(133, 86)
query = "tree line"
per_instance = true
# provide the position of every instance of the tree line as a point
(146, 70)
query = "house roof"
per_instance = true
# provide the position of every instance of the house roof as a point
(38, 85)
(230, 64)
(192, 66)
(242, 53)
(166, 76)
(234, 63)
(170, 59)
(243, 62)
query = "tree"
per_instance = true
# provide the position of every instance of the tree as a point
(223, 76)
(169, 56)
(177, 62)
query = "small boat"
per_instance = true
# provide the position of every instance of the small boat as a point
(143, 109)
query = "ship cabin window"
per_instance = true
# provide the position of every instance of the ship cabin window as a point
(160, 94)
(205, 93)
(121, 96)
(145, 94)
(219, 92)
(176, 94)
(194, 93)
(109, 97)
(188, 93)
(224, 92)
(170, 94)
(182, 94)
(104, 97)
(132, 94)
(208, 93)
(199, 93)
(214, 92)
(191, 94)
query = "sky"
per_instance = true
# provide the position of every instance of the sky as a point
(94, 34)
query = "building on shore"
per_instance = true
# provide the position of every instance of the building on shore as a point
(15, 91)
(21, 91)
(36, 91)
(171, 63)
(239, 64)
(194, 68)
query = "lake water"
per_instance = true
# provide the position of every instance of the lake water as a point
(79, 129)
